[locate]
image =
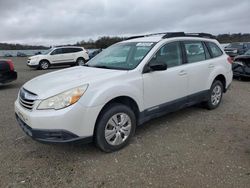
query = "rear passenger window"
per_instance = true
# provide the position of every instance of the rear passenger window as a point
(195, 51)
(215, 50)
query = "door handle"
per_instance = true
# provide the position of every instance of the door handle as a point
(211, 65)
(182, 73)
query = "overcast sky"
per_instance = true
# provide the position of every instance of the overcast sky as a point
(49, 22)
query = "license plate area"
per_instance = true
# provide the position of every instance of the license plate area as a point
(24, 126)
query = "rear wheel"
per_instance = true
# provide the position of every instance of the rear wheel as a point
(80, 61)
(44, 65)
(115, 128)
(215, 95)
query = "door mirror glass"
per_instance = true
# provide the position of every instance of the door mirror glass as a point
(158, 66)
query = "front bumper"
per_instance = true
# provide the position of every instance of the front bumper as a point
(8, 77)
(51, 136)
(66, 125)
(32, 64)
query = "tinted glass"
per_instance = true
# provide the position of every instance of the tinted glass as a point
(215, 50)
(195, 51)
(170, 54)
(57, 51)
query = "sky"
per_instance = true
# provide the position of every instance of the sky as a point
(56, 22)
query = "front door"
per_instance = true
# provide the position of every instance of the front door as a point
(166, 89)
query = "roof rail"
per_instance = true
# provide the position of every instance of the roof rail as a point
(182, 34)
(175, 34)
(146, 35)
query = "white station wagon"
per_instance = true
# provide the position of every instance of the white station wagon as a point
(124, 86)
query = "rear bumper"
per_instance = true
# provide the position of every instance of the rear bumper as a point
(8, 77)
(52, 136)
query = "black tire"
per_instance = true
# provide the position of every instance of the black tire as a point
(102, 124)
(80, 61)
(44, 64)
(210, 103)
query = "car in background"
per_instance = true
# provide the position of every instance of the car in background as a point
(8, 55)
(237, 48)
(7, 71)
(21, 54)
(59, 56)
(241, 65)
(94, 53)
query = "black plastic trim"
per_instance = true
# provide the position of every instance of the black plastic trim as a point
(172, 106)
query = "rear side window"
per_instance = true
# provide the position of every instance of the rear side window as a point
(71, 50)
(195, 51)
(214, 49)
(76, 50)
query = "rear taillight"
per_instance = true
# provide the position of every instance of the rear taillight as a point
(11, 65)
(230, 60)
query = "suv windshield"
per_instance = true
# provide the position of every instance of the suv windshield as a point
(47, 51)
(235, 45)
(122, 56)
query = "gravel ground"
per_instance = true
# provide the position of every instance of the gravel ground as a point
(190, 148)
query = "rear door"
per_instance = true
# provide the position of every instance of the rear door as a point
(69, 54)
(199, 66)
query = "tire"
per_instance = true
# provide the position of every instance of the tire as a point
(80, 61)
(110, 133)
(44, 64)
(215, 95)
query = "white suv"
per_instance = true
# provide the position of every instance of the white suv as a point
(59, 56)
(125, 85)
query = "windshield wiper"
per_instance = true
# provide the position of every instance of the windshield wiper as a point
(102, 67)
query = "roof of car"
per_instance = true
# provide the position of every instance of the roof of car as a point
(68, 47)
(158, 38)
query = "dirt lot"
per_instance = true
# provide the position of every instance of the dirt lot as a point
(190, 148)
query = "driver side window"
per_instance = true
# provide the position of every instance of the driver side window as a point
(170, 54)
(56, 51)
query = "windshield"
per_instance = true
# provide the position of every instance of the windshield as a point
(122, 56)
(247, 52)
(235, 45)
(47, 51)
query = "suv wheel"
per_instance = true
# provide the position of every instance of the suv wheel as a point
(115, 127)
(44, 65)
(215, 95)
(80, 61)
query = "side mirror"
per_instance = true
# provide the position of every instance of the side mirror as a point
(156, 66)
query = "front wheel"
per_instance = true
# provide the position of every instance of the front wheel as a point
(44, 65)
(115, 128)
(215, 95)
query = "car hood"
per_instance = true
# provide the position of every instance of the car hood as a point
(36, 56)
(51, 84)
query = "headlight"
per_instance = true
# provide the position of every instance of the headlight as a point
(64, 99)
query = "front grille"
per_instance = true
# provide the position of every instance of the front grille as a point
(27, 99)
